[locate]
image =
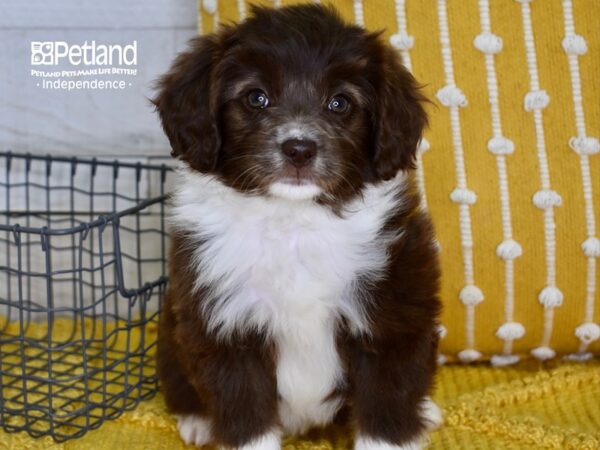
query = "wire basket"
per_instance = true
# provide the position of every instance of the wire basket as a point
(82, 276)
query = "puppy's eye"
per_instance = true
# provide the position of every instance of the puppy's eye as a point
(258, 99)
(338, 104)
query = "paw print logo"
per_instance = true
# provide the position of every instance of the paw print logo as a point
(42, 53)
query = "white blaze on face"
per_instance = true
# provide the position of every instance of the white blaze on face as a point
(293, 189)
(295, 129)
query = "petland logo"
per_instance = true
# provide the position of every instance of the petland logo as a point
(52, 53)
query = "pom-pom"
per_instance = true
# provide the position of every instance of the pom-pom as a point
(451, 96)
(488, 43)
(543, 353)
(500, 145)
(423, 145)
(574, 45)
(402, 41)
(579, 356)
(469, 355)
(536, 100)
(588, 332)
(509, 249)
(591, 247)
(210, 6)
(546, 198)
(471, 295)
(510, 331)
(550, 297)
(463, 196)
(584, 145)
(504, 360)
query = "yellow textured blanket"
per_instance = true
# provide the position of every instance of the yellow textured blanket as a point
(522, 407)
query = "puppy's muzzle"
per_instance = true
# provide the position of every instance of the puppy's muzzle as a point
(299, 152)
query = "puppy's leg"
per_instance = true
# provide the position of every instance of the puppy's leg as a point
(391, 380)
(180, 396)
(241, 382)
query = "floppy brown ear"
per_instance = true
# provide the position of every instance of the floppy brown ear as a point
(186, 104)
(399, 118)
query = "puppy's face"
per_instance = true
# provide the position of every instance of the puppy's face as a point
(292, 103)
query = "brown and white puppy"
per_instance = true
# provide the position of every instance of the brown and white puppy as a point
(303, 272)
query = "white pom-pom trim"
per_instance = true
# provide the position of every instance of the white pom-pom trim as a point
(546, 198)
(579, 357)
(442, 331)
(510, 331)
(471, 295)
(536, 100)
(469, 355)
(504, 360)
(451, 96)
(423, 145)
(487, 42)
(463, 196)
(588, 332)
(585, 145)
(402, 41)
(591, 247)
(574, 45)
(500, 145)
(210, 6)
(441, 359)
(543, 353)
(551, 297)
(509, 250)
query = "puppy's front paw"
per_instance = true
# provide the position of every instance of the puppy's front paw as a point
(431, 414)
(366, 443)
(268, 441)
(194, 429)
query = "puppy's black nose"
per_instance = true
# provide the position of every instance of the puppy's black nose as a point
(299, 151)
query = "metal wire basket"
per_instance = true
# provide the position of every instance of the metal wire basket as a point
(82, 276)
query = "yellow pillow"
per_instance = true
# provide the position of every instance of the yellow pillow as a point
(511, 172)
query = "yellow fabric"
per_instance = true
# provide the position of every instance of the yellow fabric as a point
(521, 407)
(522, 165)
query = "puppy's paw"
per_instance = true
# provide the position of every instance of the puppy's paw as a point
(366, 443)
(432, 414)
(194, 429)
(268, 441)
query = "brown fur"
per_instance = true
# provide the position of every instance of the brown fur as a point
(302, 54)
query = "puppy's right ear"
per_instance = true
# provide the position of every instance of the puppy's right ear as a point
(186, 104)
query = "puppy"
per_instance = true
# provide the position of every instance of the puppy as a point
(303, 272)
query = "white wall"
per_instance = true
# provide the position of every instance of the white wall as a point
(107, 122)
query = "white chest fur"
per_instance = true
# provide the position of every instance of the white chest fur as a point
(289, 268)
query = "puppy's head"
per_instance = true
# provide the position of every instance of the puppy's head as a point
(292, 103)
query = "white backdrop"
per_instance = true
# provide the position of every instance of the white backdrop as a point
(107, 122)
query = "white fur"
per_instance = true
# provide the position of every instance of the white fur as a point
(291, 191)
(290, 268)
(296, 129)
(432, 414)
(194, 429)
(268, 441)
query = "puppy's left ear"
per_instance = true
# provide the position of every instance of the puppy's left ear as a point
(399, 118)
